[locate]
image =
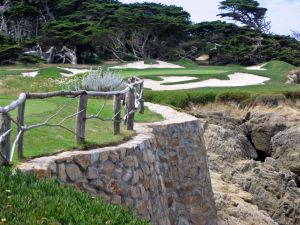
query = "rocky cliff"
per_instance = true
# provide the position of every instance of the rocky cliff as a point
(254, 160)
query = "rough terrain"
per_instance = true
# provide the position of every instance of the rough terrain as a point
(254, 159)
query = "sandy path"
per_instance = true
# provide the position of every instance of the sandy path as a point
(235, 80)
(142, 65)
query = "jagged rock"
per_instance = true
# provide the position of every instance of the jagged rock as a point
(224, 120)
(249, 191)
(272, 191)
(294, 77)
(286, 149)
(261, 127)
(230, 144)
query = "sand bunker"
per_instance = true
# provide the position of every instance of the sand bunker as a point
(258, 67)
(142, 65)
(73, 71)
(30, 74)
(235, 80)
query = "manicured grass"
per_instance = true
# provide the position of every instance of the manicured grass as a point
(276, 70)
(100, 132)
(13, 72)
(51, 72)
(14, 85)
(47, 140)
(26, 200)
(175, 72)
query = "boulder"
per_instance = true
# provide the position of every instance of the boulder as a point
(274, 191)
(286, 149)
(228, 144)
(294, 77)
(261, 127)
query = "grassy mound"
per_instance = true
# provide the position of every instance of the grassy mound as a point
(26, 200)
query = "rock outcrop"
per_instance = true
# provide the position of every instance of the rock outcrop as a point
(294, 77)
(250, 188)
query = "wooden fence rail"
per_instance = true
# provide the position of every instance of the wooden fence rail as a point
(134, 93)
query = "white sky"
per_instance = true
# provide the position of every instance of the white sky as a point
(284, 14)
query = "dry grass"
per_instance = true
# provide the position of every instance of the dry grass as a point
(288, 109)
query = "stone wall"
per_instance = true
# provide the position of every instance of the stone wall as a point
(162, 173)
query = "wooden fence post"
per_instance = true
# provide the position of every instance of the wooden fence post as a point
(142, 108)
(81, 118)
(130, 109)
(5, 125)
(117, 114)
(20, 120)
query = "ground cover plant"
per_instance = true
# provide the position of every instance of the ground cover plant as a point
(26, 200)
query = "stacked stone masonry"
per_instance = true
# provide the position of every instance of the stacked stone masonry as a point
(162, 173)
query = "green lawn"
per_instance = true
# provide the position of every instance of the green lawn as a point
(276, 70)
(47, 140)
(26, 200)
(99, 132)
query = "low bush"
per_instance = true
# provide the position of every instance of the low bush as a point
(150, 62)
(98, 80)
(30, 59)
(237, 97)
(293, 95)
(204, 98)
(177, 99)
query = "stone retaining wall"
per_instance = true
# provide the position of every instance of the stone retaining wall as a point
(162, 173)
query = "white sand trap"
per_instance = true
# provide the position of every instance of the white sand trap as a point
(142, 65)
(258, 67)
(73, 71)
(235, 80)
(30, 74)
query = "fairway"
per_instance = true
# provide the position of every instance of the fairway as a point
(99, 133)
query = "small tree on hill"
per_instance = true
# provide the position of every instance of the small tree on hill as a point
(296, 34)
(246, 12)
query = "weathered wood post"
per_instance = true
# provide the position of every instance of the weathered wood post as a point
(5, 125)
(81, 118)
(130, 106)
(117, 114)
(142, 107)
(20, 120)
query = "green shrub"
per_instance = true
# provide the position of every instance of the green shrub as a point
(150, 62)
(30, 59)
(97, 80)
(237, 97)
(177, 99)
(197, 98)
(293, 95)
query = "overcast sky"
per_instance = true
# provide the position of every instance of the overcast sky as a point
(284, 14)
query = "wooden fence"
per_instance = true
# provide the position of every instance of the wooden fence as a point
(133, 95)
